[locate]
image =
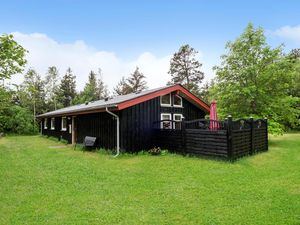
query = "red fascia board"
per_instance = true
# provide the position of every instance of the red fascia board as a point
(165, 91)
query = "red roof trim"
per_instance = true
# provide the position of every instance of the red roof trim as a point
(162, 92)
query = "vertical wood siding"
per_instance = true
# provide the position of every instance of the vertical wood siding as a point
(136, 125)
(138, 122)
(57, 132)
(101, 125)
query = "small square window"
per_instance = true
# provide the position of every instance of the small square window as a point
(166, 124)
(177, 121)
(177, 101)
(63, 123)
(165, 100)
(52, 123)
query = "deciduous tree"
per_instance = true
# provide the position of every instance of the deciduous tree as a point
(51, 87)
(12, 57)
(254, 79)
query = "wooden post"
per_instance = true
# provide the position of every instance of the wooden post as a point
(73, 131)
(252, 136)
(229, 138)
(266, 138)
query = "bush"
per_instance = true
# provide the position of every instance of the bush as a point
(155, 151)
(18, 120)
(275, 128)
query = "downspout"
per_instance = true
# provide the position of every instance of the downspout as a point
(118, 129)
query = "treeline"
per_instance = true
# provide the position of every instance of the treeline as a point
(35, 95)
(253, 79)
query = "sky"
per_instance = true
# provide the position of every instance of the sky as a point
(117, 36)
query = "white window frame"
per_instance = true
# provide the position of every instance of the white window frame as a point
(161, 117)
(181, 117)
(174, 101)
(63, 128)
(162, 104)
(52, 124)
(45, 123)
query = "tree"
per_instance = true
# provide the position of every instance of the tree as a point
(12, 57)
(12, 61)
(122, 87)
(67, 89)
(17, 120)
(34, 94)
(134, 83)
(94, 89)
(51, 87)
(101, 90)
(254, 79)
(204, 92)
(89, 92)
(295, 53)
(185, 69)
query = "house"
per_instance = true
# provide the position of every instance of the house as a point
(124, 121)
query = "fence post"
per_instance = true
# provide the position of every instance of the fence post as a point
(229, 137)
(266, 138)
(252, 135)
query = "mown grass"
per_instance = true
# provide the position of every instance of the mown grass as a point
(45, 182)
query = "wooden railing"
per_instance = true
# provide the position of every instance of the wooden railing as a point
(230, 139)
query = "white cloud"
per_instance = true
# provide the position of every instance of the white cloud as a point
(289, 32)
(45, 52)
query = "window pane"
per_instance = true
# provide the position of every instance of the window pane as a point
(177, 100)
(166, 117)
(166, 124)
(165, 99)
(64, 123)
(177, 117)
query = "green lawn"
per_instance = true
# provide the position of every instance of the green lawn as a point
(43, 184)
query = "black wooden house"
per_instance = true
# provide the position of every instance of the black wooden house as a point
(129, 118)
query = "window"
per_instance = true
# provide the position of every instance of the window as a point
(52, 123)
(45, 123)
(177, 118)
(64, 123)
(177, 101)
(165, 124)
(165, 100)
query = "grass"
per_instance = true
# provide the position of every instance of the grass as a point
(46, 182)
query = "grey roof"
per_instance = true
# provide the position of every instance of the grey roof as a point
(100, 104)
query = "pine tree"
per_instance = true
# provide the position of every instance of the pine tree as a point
(185, 69)
(122, 87)
(67, 89)
(134, 83)
(93, 90)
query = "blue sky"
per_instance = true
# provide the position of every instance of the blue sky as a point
(131, 28)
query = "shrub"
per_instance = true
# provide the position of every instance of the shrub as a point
(18, 120)
(155, 151)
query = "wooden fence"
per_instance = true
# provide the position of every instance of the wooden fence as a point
(222, 139)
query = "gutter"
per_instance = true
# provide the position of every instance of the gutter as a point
(118, 130)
